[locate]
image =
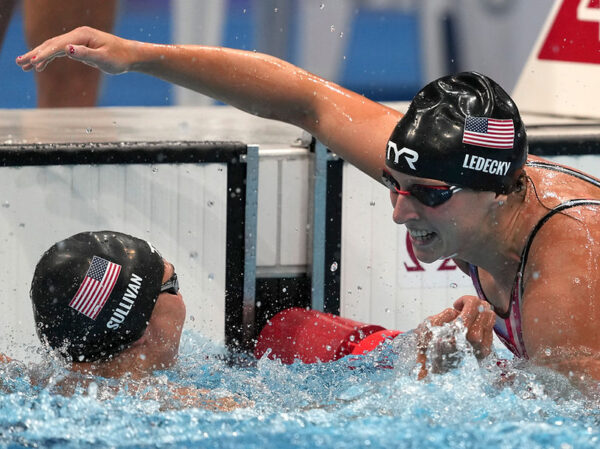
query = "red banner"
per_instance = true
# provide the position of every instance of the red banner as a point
(575, 33)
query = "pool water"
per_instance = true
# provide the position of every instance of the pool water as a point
(373, 401)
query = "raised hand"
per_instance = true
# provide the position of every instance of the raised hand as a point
(109, 53)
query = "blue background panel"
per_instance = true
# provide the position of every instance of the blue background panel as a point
(382, 59)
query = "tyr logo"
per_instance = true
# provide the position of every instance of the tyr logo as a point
(411, 156)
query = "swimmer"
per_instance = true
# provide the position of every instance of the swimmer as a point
(109, 305)
(460, 179)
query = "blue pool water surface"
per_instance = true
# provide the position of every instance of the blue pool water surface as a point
(351, 403)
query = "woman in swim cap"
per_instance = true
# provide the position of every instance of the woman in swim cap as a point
(109, 303)
(455, 166)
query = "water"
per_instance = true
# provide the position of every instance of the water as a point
(350, 403)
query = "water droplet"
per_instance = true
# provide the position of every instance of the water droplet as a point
(387, 310)
(211, 276)
(332, 28)
(210, 203)
(535, 275)
(92, 389)
(193, 254)
(358, 287)
(372, 203)
(284, 289)
(154, 169)
(547, 351)
(276, 10)
(143, 356)
(322, 6)
(480, 309)
(88, 130)
(6, 205)
(341, 34)
(192, 318)
(453, 285)
(328, 347)
(334, 266)
(21, 225)
(244, 11)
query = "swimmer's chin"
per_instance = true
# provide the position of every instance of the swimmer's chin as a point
(430, 260)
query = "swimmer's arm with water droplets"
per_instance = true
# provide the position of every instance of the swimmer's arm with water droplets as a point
(351, 125)
(172, 396)
(561, 301)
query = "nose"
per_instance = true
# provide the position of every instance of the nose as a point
(404, 208)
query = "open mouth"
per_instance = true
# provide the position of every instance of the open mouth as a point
(420, 236)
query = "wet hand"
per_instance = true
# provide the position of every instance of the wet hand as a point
(108, 53)
(424, 336)
(478, 318)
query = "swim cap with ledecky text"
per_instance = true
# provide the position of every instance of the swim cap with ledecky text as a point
(464, 130)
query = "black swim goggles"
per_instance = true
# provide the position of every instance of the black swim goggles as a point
(171, 286)
(430, 196)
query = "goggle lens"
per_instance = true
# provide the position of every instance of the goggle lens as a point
(171, 285)
(430, 196)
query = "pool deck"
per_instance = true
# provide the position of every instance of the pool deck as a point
(142, 124)
(204, 123)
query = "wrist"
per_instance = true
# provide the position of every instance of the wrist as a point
(143, 56)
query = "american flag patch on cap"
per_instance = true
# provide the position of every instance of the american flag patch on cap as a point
(489, 132)
(96, 287)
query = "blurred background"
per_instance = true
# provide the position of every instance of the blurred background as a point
(384, 49)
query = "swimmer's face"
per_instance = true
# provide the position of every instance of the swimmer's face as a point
(166, 323)
(445, 230)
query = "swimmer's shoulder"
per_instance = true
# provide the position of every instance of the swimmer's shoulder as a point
(567, 244)
(556, 183)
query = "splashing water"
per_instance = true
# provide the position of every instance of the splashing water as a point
(356, 402)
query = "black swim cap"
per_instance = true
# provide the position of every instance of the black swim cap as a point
(93, 293)
(464, 130)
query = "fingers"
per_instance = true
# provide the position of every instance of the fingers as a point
(446, 316)
(424, 336)
(74, 44)
(479, 318)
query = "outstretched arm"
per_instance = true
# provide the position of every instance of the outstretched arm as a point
(351, 125)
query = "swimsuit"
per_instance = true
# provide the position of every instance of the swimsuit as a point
(508, 326)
